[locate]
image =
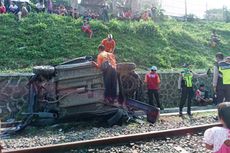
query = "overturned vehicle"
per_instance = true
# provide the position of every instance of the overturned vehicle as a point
(73, 90)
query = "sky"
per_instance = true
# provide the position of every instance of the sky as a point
(197, 7)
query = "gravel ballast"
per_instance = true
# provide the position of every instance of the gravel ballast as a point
(185, 144)
(34, 136)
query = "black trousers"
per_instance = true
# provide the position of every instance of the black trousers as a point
(186, 95)
(154, 92)
(223, 92)
(110, 83)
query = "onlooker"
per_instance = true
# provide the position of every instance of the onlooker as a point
(7, 5)
(24, 10)
(217, 139)
(56, 10)
(13, 8)
(105, 15)
(2, 8)
(202, 96)
(86, 15)
(86, 28)
(128, 14)
(63, 10)
(40, 7)
(49, 6)
(74, 13)
(93, 15)
(153, 13)
(107, 63)
(109, 43)
(145, 16)
(152, 80)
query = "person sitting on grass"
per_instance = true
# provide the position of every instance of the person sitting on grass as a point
(13, 8)
(145, 16)
(217, 139)
(2, 8)
(86, 28)
(201, 96)
(50, 6)
(63, 10)
(40, 7)
(24, 10)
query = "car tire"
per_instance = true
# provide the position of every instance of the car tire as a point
(125, 67)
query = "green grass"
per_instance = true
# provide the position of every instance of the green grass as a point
(42, 39)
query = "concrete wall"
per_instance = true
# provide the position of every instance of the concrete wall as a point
(14, 91)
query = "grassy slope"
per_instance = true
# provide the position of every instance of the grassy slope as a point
(50, 39)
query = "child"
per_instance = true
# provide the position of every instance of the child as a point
(86, 28)
(217, 139)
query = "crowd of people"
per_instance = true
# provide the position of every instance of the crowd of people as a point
(11, 7)
(23, 9)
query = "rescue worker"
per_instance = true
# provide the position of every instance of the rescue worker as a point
(221, 78)
(107, 63)
(185, 85)
(152, 80)
(109, 43)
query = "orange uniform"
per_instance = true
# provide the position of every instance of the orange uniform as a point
(105, 56)
(109, 45)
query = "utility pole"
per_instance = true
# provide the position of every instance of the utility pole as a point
(206, 10)
(206, 6)
(185, 7)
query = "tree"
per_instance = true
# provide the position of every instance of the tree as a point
(226, 14)
(218, 14)
(214, 15)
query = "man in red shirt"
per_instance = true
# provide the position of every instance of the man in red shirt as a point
(109, 43)
(152, 80)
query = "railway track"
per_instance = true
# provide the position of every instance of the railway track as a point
(122, 139)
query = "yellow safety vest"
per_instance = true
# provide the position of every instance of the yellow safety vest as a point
(187, 77)
(224, 69)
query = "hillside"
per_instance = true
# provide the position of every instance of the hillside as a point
(50, 39)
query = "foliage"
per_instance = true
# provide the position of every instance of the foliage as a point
(41, 39)
(191, 18)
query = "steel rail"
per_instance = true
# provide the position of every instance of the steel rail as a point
(122, 139)
(9, 124)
